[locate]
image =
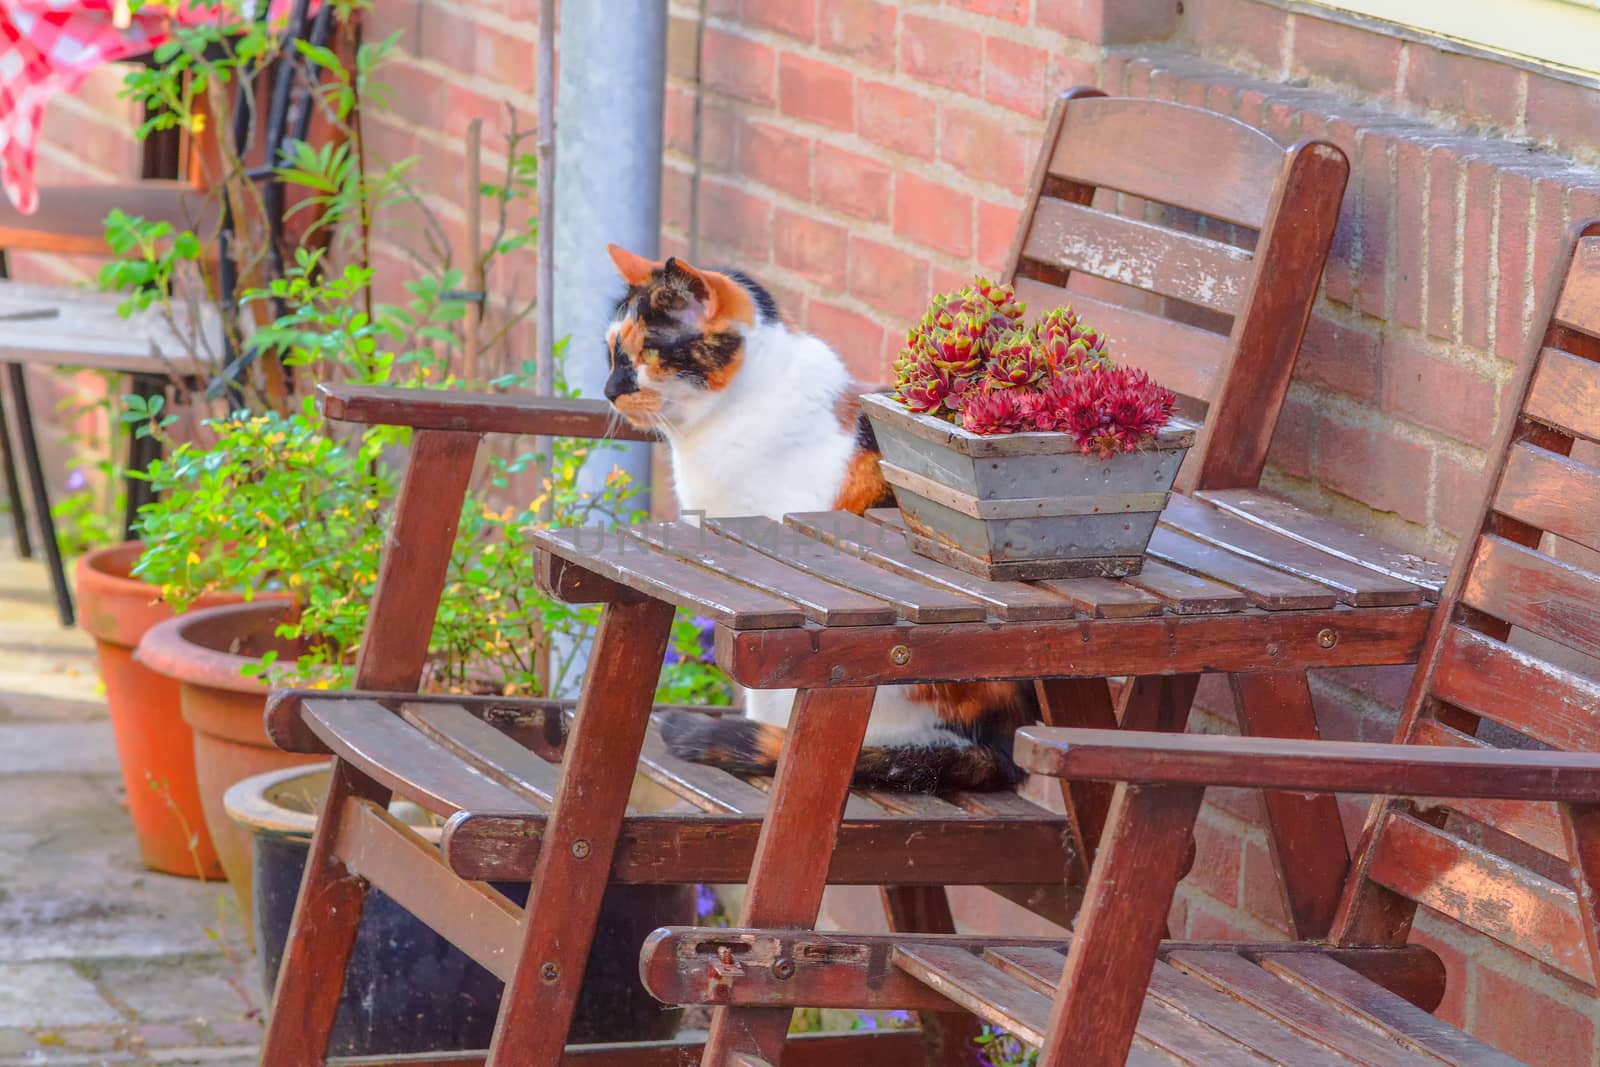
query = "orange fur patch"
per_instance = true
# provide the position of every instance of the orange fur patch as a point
(966, 702)
(718, 379)
(847, 409)
(630, 337)
(863, 486)
(639, 408)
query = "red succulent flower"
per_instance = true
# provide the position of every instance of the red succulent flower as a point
(986, 412)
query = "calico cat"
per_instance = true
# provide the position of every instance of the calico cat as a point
(762, 419)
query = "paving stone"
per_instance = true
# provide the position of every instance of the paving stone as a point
(57, 748)
(183, 989)
(50, 995)
(15, 1042)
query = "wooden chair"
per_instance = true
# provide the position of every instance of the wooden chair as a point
(1515, 647)
(912, 845)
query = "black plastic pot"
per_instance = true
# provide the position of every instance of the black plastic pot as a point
(408, 989)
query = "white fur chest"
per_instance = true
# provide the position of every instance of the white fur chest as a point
(769, 443)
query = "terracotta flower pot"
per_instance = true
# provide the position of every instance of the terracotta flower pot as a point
(203, 652)
(154, 745)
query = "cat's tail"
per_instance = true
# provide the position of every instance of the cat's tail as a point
(743, 746)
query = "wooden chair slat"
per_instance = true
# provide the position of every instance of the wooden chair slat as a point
(1203, 1002)
(1579, 305)
(1335, 538)
(995, 997)
(1181, 1036)
(1103, 598)
(1002, 804)
(1566, 393)
(1185, 593)
(1405, 1022)
(1156, 151)
(1551, 492)
(480, 745)
(709, 788)
(1184, 358)
(1455, 877)
(1297, 1009)
(1534, 824)
(823, 602)
(1264, 587)
(1553, 706)
(857, 806)
(916, 601)
(1529, 589)
(1150, 257)
(726, 602)
(1354, 583)
(922, 805)
(394, 753)
(884, 545)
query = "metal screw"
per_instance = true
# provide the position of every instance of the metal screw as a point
(900, 655)
(549, 973)
(783, 968)
(580, 849)
(1327, 638)
(837, 674)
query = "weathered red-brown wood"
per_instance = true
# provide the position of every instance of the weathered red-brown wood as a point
(478, 413)
(884, 1048)
(790, 869)
(1565, 393)
(948, 1035)
(1084, 702)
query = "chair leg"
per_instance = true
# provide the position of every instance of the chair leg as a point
(1303, 829)
(321, 934)
(790, 870)
(14, 498)
(569, 879)
(947, 1037)
(1086, 703)
(41, 493)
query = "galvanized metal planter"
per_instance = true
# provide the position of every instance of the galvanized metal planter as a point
(1024, 505)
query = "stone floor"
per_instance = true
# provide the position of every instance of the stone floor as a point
(101, 961)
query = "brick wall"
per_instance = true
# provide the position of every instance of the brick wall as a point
(859, 155)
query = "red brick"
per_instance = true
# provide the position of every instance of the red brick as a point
(792, 19)
(1374, 175)
(1339, 358)
(1010, 10)
(982, 148)
(861, 29)
(1455, 400)
(1427, 932)
(1252, 107)
(1098, 22)
(720, 124)
(818, 91)
(1013, 75)
(1263, 894)
(857, 338)
(997, 224)
(1514, 298)
(856, 185)
(933, 215)
(776, 157)
(1457, 497)
(1410, 223)
(1477, 206)
(1375, 467)
(810, 246)
(1259, 37)
(683, 47)
(678, 120)
(1562, 111)
(1361, 58)
(1067, 72)
(742, 221)
(1528, 1024)
(738, 66)
(1294, 439)
(888, 278)
(941, 52)
(945, 280)
(1482, 91)
(677, 190)
(1207, 925)
(896, 118)
(1217, 859)
(1444, 199)
(1382, 685)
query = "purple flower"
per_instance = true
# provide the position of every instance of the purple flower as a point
(76, 480)
(673, 656)
(865, 1021)
(705, 901)
(901, 1017)
(708, 637)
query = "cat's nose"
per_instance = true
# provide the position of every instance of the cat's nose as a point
(621, 382)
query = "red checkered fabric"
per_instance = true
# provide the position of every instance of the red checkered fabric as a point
(48, 47)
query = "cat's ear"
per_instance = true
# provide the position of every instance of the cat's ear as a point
(720, 295)
(635, 269)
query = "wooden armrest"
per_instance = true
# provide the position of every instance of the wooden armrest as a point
(1309, 766)
(435, 409)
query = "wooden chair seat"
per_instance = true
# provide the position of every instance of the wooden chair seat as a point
(491, 767)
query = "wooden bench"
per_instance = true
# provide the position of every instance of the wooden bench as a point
(1514, 854)
(914, 845)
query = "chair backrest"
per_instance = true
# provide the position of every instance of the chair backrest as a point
(1216, 320)
(1513, 660)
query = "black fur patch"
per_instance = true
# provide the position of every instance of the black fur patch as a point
(696, 357)
(766, 306)
(731, 742)
(866, 438)
(935, 768)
